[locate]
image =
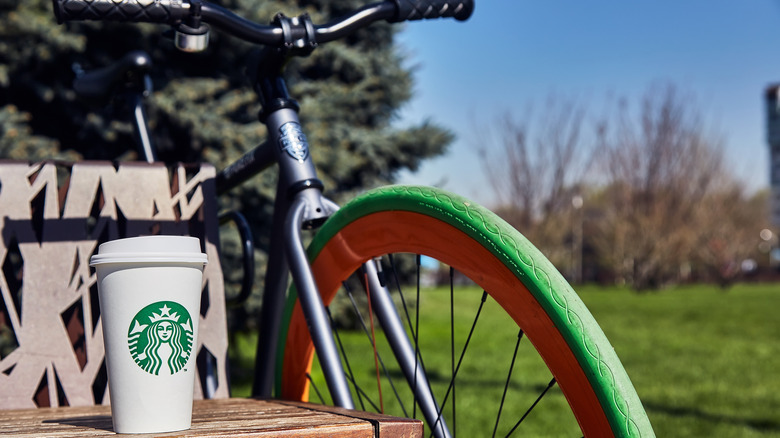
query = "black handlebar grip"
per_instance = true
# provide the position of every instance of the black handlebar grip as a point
(138, 11)
(426, 9)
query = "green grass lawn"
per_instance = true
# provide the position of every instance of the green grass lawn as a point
(703, 361)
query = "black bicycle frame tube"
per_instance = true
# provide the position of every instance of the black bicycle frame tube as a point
(243, 169)
(274, 293)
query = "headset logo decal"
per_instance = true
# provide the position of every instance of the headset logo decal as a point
(161, 333)
(293, 141)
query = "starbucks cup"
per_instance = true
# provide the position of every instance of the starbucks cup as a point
(149, 290)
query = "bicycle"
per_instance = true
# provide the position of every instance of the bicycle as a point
(362, 236)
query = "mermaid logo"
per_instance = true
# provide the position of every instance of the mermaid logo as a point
(161, 333)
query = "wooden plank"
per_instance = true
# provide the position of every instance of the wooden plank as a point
(385, 426)
(217, 418)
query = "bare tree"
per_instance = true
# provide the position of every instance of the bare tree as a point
(661, 206)
(536, 166)
(660, 167)
(730, 223)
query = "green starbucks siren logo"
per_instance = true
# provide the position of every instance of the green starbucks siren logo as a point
(161, 333)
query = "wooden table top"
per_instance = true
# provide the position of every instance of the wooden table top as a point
(236, 417)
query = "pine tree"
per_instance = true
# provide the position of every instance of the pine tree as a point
(203, 108)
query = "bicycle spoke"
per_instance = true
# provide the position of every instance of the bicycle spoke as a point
(316, 390)
(410, 325)
(350, 375)
(452, 348)
(416, 336)
(401, 293)
(361, 393)
(367, 397)
(462, 354)
(550, 385)
(373, 343)
(390, 380)
(508, 378)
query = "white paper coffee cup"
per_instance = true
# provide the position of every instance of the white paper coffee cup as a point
(149, 290)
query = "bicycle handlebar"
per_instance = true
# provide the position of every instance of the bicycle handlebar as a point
(175, 12)
(410, 10)
(156, 11)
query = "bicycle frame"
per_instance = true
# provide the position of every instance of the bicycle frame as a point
(300, 204)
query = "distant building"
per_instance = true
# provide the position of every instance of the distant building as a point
(772, 98)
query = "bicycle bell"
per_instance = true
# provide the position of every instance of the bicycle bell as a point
(188, 39)
(192, 35)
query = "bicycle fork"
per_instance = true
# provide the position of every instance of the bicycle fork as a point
(313, 307)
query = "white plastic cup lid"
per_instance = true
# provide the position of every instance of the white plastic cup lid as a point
(155, 249)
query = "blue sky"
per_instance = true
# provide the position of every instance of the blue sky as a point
(516, 53)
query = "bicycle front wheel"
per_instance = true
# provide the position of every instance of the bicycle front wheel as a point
(519, 295)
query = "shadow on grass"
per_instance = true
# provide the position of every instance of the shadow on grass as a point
(757, 424)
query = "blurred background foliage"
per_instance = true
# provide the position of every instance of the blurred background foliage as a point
(204, 109)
